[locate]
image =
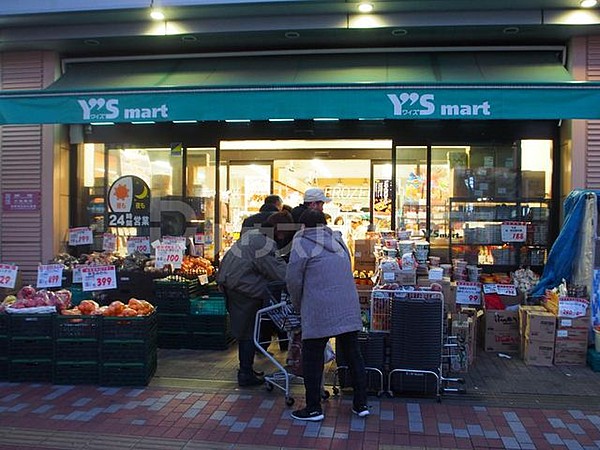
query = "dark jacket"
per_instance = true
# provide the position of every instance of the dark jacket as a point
(256, 220)
(297, 212)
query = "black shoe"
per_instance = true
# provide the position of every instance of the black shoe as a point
(361, 411)
(249, 379)
(305, 414)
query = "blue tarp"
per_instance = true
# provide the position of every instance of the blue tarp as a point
(567, 245)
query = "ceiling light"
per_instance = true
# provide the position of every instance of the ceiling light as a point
(189, 38)
(399, 32)
(365, 7)
(511, 30)
(156, 14)
(588, 3)
(91, 42)
(292, 34)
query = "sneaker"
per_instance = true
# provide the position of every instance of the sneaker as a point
(249, 379)
(361, 411)
(305, 414)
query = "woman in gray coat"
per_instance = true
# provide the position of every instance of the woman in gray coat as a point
(321, 285)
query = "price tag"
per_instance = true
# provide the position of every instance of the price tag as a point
(572, 307)
(169, 254)
(49, 275)
(199, 238)
(468, 293)
(98, 278)
(507, 289)
(77, 273)
(139, 244)
(490, 288)
(513, 231)
(203, 279)
(8, 275)
(180, 241)
(80, 236)
(109, 242)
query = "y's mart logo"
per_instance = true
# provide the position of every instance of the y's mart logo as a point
(108, 109)
(414, 104)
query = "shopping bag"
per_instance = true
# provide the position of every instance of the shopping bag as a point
(294, 356)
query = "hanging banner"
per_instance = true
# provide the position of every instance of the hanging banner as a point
(129, 203)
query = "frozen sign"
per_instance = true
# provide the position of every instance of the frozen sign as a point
(414, 104)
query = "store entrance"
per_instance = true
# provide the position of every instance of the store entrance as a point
(355, 174)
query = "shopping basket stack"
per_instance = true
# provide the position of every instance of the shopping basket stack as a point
(372, 348)
(416, 342)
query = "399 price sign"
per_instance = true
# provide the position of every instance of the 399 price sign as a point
(49, 275)
(8, 275)
(98, 278)
(169, 254)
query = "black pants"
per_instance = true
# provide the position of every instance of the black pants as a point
(313, 360)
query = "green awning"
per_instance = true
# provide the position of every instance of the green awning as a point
(449, 85)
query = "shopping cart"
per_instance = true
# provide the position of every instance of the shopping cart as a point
(279, 309)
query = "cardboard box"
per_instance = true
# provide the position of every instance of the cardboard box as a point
(533, 184)
(572, 334)
(540, 326)
(569, 352)
(364, 266)
(569, 307)
(522, 315)
(364, 250)
(406, 277)
(565, 323)
(464, 329)
(501, 331)
(538, 353)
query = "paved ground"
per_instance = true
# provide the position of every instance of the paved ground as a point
(192, 403)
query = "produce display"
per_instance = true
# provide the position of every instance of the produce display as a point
(29, 297)
(196, 265)
(133, 308)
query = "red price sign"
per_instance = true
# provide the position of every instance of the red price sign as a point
(468, 293)
(513, 231)
(49, 275)
(80, 236)
(169, 254)
(8, 275)
(97, 278)
(139, 244)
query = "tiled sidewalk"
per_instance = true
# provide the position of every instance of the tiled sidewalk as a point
(40, 416)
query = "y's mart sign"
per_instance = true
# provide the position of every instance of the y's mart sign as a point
(415, 104)
(108, 109)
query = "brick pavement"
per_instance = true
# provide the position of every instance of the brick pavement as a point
(41, 416)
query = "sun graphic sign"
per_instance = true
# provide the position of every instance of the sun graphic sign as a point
(129, 203)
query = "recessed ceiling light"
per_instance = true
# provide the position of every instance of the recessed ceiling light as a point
(511, 30)
(157, 14)
(91, 42)
(189, 38)
(588, 3)
(365, 7)
(399, 32)
(292, 34)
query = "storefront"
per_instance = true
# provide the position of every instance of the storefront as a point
(465, 134)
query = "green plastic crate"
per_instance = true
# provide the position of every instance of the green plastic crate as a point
(211, 305)
(593, 359)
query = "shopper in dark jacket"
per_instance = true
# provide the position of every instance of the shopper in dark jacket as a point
(314, 198)
(244, 273)
(321, 286)
(272, 204)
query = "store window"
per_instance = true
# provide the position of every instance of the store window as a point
(411, 190)
(161, 174)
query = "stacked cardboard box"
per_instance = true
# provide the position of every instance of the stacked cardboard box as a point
(364, 254)
(572, 329)
(502, 326)
(540, 328)
(464, 329)
(523, 309)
